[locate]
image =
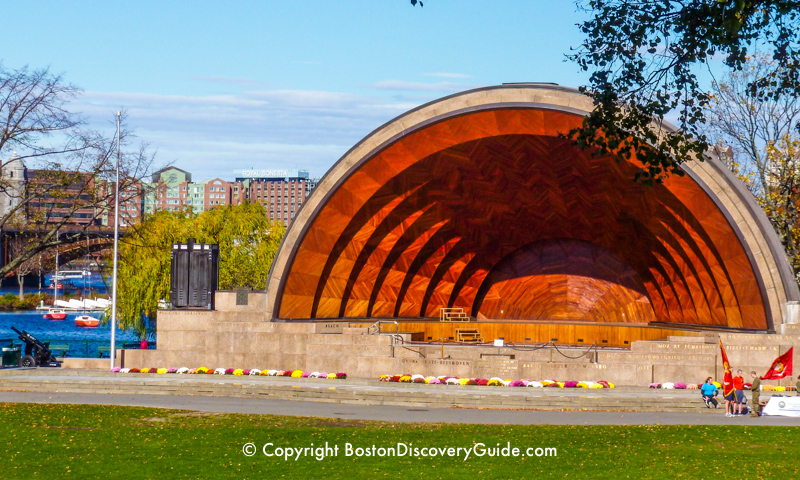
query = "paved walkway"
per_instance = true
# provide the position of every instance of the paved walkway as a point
(368, 399)
(392, 413)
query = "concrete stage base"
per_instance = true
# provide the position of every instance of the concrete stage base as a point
(238, 336)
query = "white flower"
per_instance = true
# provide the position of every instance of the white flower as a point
(535, 384)
(668, 385)
(255, 371)
(313, 375)
(272, 372)
(183, 370)
(219, 371)
(416, 376)
(453, 381)
(124, 370)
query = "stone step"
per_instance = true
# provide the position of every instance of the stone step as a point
(442, 397)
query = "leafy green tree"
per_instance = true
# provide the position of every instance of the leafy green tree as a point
(644, 58)
(248, 241)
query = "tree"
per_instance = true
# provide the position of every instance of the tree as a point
(760, 129)
(69, 166)
(749, 124)
(17, 246)
(248, 241)
(783, 194)
(644, 57)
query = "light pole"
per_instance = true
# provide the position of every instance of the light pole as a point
(113, 351)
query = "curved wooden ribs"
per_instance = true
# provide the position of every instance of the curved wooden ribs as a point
(493, 212)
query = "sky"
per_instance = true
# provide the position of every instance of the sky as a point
(215, 86)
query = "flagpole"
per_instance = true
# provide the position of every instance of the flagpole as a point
(116, 247)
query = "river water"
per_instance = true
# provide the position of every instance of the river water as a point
(82, 341)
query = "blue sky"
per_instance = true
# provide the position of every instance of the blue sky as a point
(218, 86)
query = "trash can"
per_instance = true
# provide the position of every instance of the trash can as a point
(11, 356)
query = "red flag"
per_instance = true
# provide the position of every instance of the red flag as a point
(727, 379)
(781, 367)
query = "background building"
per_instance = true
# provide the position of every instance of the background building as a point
(282, 192)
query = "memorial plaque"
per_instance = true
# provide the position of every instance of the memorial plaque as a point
(242, 296)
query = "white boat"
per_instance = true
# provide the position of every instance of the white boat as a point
(71, 275)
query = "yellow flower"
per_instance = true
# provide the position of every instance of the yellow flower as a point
(161, 370)
(610, 385)
(463, 381)
(145, 370)
(333, 376)
(264, 372)
(297, 374)
(405, 378)
(780, 389)
(201, 370)
(238, 371)
(582, 385)
(428, 380)
(596, 385)
(560, 384)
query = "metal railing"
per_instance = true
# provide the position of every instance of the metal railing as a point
(77, 348)
(377, 327)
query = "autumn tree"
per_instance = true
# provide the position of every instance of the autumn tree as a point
(644, 58)
(761, 131)
(68, 166)
(248, 241)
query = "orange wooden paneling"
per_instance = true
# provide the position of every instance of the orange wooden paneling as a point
(428, 221)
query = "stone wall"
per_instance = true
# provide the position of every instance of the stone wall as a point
(241, 337)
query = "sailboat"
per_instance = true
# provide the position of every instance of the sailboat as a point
(55, 313)
(86, 320)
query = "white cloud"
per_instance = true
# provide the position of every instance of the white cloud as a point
(212, 135)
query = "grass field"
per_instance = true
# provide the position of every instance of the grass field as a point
(74, 441)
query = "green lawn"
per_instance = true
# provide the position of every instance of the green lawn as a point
(73, 441)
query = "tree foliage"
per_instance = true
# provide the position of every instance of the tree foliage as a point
(761, 132)
(644, 58)
(248, 241)
(70, 165)
(750, 124)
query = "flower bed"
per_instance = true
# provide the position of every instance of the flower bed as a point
(236, 371)
(493, 382)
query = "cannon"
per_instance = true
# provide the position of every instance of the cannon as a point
(36, 352)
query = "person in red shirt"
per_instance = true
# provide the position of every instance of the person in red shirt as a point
(738, 390)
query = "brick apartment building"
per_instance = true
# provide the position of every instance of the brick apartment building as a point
(282, 192)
